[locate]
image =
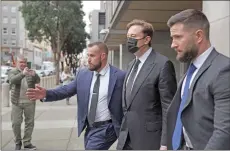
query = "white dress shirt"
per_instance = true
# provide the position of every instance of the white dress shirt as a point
(142, 59)
(102, 112)
(198, 62)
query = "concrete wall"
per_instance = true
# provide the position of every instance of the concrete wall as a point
(116, 61)
(162, 43)
(115, 56)
(219, 17)
(110, 57)
(109, 7)
(94, 26)
(127, 57)
(108, 13)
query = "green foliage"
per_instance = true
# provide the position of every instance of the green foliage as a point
(43, 20)
(75, 43)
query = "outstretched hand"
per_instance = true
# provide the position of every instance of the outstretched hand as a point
(37, 93)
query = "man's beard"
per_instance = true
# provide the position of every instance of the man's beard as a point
(95, 67)
(189, 54)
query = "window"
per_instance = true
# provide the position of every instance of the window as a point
(5, 8)
(5, 20)
(5, 41)
(13, 31)
(5, 31)
(13, 20)
(101, 19)
(13, 9)
(13, 42)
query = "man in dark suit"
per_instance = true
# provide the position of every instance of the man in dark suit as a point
(99, 96)
(199, 116)
(148, 89)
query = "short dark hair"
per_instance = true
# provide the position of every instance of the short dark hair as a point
(147, 27)
(191, 18)
(101, 45)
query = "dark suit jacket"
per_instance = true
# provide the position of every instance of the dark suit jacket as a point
(145, 117)
(206, 115)
(81, 86)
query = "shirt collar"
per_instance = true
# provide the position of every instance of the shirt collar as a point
(145, 55)
(103, 71)
(198, 62)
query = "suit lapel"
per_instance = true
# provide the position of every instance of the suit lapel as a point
(112, 82)
(125, 81)
(203, 68)
(142, 75)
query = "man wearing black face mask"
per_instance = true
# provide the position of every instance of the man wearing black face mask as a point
(148, 89)
(99, 96)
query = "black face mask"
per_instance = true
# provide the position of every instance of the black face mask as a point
(132, 45)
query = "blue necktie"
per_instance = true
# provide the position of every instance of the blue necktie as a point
(177, 134)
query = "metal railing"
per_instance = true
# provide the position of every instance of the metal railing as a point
(46, 82)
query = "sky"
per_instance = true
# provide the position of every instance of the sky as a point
(88, 6)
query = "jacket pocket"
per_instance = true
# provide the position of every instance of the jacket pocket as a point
(153, 127)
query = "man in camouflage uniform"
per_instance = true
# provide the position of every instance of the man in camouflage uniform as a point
(21, 78)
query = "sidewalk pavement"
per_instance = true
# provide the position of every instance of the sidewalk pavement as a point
(55, 127)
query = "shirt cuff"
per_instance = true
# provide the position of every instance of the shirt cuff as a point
(43, 100)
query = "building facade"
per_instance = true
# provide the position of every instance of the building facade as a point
(14, 39)
(120, 13)
(97, 23)
(10, 28)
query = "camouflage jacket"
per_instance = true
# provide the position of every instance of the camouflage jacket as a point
(15, 77)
